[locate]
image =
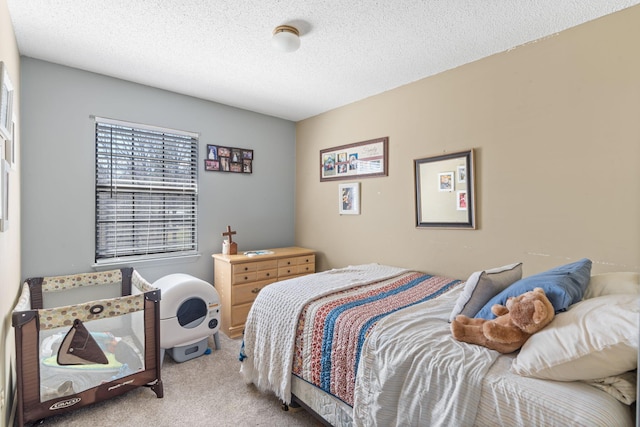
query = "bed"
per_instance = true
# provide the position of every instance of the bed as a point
(84, 338)
(371, 345)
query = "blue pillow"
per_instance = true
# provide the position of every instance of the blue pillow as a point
(564, 285)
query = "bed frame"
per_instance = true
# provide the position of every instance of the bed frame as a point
(32, 316)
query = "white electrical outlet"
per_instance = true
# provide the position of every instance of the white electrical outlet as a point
(1, 398)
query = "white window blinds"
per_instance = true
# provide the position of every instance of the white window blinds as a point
(146, 191)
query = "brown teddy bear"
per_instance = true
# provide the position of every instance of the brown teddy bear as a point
(523, 316)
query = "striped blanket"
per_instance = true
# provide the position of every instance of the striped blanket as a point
(332, 329)
(270, 330)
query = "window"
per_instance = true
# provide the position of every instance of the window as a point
(146, 192)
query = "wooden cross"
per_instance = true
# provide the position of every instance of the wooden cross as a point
(229, 233)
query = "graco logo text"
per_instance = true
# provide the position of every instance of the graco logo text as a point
(64, 403)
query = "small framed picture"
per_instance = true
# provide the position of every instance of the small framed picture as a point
(211, 165)
(461, 200)
(462, 174)
(445, 181)
(349, 198)
(212, 152)
(224, 152)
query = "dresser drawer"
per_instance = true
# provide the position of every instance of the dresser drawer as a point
(244, 267)
(287, 262)
(267, 274)
(247, 267)
(250, 276)
(307, 268)
(308, 259)
(248, 292)
(239, 314)
(285, 272)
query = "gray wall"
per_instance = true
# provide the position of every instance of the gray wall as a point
(58, 169)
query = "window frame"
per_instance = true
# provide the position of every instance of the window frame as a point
(160, 173)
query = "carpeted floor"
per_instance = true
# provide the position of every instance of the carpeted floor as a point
(204, 391)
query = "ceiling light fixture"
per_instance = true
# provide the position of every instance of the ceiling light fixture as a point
(285, 38)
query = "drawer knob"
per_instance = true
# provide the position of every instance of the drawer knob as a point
(288, 271)
(246, 278)
(288, 262)
(268, 274)
(255, 290)
(246, 268)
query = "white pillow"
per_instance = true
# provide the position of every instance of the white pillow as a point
(484, 285)
(595, 338)
(612, 283)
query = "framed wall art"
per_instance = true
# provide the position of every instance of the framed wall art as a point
(349, 199)
(228, 159)
(462, 174)
(441, 203)
(10, 146)
(461, 200)
(4, 195)
(361, 159)
(6, 102)
(445, 181)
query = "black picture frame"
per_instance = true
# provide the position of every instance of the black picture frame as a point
(223, 158)
(442, 201)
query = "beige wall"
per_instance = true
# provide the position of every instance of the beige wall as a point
(10, 239)
(556, 129)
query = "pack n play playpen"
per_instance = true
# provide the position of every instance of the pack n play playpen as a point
(84, 338)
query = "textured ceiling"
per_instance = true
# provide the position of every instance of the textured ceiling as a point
(220, 50)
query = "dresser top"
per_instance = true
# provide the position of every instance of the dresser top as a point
(277, 253)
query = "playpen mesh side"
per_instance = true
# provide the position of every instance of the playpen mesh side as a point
(115, 325)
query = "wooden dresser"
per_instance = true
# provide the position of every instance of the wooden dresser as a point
(239, 278)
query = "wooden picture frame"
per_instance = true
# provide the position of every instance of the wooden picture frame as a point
(361, 159)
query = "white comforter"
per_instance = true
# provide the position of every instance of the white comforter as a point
(269, 354)
(413, 373)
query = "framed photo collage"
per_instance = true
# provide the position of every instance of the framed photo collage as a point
(228, 159)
